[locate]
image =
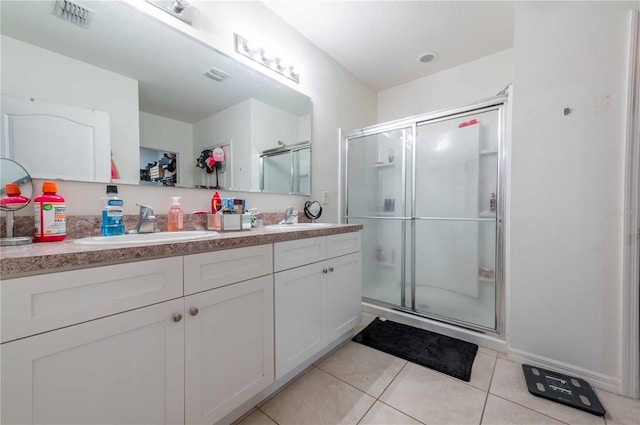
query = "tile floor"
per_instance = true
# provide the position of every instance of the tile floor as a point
(356, 384)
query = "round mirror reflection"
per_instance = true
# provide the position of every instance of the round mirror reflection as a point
(16, 190)
(313, 210)
(16, 187)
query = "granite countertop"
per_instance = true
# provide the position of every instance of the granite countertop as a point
(40, 258)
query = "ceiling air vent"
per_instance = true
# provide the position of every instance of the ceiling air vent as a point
(73, 12)
(216, 74)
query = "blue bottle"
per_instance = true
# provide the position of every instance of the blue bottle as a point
(112, 210)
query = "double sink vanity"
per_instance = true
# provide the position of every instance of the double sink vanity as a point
(194, 330)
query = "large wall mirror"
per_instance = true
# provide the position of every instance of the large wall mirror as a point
(164, 98)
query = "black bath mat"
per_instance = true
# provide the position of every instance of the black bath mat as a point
(439, 352)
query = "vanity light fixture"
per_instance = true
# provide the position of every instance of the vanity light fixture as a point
(266, 57)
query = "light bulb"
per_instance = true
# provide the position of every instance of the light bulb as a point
(180, 5)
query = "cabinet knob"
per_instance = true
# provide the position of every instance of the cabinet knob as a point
(324, 271)
(177, 317)
(330, 269)
(193, 311)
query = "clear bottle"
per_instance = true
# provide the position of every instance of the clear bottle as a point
(175, 216)
(112, 211)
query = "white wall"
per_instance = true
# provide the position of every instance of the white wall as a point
(232, 124)
(162, 133)
(32, 72)
(567, 173)
(469, 82)
(270, 125)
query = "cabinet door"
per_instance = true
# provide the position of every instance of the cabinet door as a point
(344, 294)
(300, 311)
(228, 348)
(123, 369)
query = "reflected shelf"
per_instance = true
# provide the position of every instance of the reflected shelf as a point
(385, 165)
(487, 214)
(488, 151)
(486, 279)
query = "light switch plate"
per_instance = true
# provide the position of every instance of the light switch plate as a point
(325, 197)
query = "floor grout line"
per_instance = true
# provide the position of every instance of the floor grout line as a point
(486, 398)
(265, 413)
(529, 408)
(398, 410)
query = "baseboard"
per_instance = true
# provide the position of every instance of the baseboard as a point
(595, 379)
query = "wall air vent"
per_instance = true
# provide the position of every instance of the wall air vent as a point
(216, 74)
(73, 12)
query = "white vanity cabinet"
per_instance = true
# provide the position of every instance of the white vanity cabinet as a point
(317, 288)
(185, 339)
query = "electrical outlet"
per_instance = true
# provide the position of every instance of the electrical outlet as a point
(325, 197)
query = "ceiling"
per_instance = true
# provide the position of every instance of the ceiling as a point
(380, 41)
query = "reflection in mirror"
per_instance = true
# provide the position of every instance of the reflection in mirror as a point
(16, 193)
(286, 169)
(159, 88)
(158, 167)
(313, 210)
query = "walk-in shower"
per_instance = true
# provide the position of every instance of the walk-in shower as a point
(430, 193)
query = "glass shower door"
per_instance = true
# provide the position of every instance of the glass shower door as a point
(378, 197)
(454, 235)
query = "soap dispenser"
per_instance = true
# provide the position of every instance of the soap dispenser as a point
(175, 216)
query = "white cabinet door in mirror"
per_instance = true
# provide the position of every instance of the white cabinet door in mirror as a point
(55, 140)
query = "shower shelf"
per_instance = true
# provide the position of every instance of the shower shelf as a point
(486, 279)
(488, 151)
(486, 214)
(385, 165)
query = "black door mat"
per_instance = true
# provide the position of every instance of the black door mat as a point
(439, 352)
(574, 392)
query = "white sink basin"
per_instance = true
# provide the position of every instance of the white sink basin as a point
(147, 238)
(297, 226)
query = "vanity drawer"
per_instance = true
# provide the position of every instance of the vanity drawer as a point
(296, 253)
(36, 304)
(215, 269)
(342, 244)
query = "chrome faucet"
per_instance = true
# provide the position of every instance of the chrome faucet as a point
(290, 216)
(147, 221)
